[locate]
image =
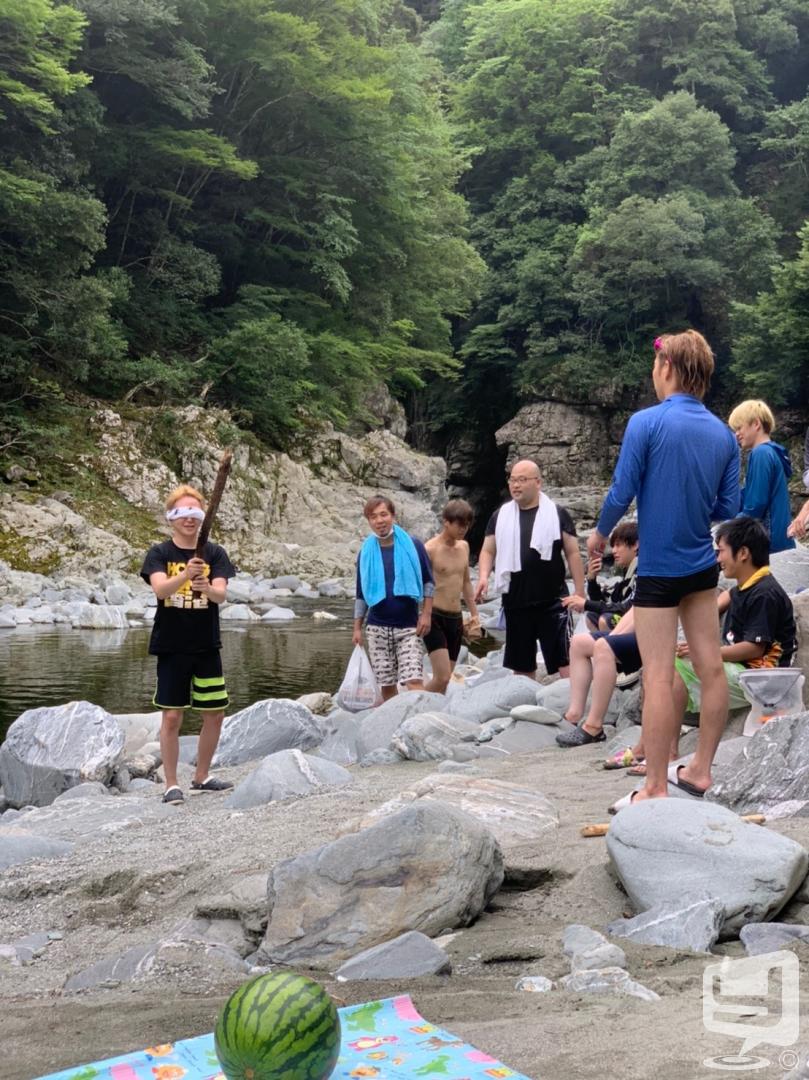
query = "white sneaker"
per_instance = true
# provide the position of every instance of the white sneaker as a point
(628, 679)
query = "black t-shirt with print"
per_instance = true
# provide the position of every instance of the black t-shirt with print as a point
(762, 614)
(541, 580)
(185, 622)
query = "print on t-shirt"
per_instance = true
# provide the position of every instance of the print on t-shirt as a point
(185, 597)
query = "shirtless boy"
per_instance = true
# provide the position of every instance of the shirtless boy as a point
(449, 555)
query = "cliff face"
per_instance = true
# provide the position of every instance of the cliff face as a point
(280, 513)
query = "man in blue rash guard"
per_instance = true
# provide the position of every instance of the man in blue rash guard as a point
(682, 464)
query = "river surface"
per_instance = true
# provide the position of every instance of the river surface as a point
(112, 668)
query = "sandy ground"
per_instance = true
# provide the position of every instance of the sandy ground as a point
(126, 890)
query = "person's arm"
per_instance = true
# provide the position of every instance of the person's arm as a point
(806, 460)
(626, 480)
(164, 586)
(742, 651)
(755, 496)
(468, 594)
(360, 611)
(428, 589)
(729, 496)
(798, 526)
(570, 546)
(215, 590)
(723, 601)
(485, 564)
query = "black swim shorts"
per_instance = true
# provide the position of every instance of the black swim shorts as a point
(191, 681)
(665, 592)
(446, 631)
(549, 624)
(625, 650)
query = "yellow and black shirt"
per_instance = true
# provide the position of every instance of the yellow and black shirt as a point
(185, 622)
(760, 611)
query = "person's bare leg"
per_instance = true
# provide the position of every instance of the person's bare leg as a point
(442, 670)
(170, 744)
(656, 630)
(208, 741)
(700, 620)
(414, 684)
(605, 672)
(581, 675)
(388, 692)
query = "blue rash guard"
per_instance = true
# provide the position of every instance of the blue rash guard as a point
(682, 464)
(765, 495)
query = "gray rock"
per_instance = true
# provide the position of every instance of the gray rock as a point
(408, 956)
(287, 581)
(139, 729)
(244, 900)
(380, 757)
(629, 712)
(18, 846)
(82, 820)
(611, 980)
(264, 728)
(791, 568)
(331, 588)
(694, 926)
(140, 783)
(524, 736)
(466, 768)
(30, 947)
(188, 749)
(428, 868)
(319, 703)
(535, 714)
(278, 615)
(588, 950)
(672, 851)
(51, 749)
(535, 984)
(93, 617)
(341, 745)
(430, 736)
(759, 938)
(117, 594)
(772, 768)
(89, 790)
(239, 591)
(377, 726)
(237, 613)
(488, 700)
(285, 773)
(514, 815)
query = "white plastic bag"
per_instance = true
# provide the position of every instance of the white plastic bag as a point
(358, 690)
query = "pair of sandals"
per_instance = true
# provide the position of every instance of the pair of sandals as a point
(675, 780)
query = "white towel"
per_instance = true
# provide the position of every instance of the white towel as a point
(507, 538)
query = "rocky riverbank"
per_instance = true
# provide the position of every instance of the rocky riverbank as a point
(455, 817)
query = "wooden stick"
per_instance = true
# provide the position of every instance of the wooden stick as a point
(602, 830)
(213, 504)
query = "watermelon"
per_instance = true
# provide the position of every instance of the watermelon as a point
(279, 1026)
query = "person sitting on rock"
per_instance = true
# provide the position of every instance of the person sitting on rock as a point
(595, 662)
(764, 495)
(185, 638)
(758, 630)
(449, 555)
(393, 576)
(527, 542)
(605, 605)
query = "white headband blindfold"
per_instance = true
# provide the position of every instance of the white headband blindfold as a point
(177, 512)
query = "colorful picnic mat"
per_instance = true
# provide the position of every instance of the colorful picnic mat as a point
(382, 1040)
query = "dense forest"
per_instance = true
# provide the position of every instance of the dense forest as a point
(274, 204)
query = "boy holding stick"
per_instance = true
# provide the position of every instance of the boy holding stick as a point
(189, 587)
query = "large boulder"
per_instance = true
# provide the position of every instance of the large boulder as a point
(266, 727)
(48, 750)
(514, 815)
(667, 851)
(85, 616)
(378, 725)
(428, 868)
(341, 745)
(139, 729)
(771, 768)
(285, 773)
(409, 956)
(431, 736)
(485, 701)
(19, 846)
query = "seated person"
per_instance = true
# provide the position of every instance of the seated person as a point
(605, 605)
(595, 661)
(759, 626)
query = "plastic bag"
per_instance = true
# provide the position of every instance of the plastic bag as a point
(358, 690)
(771, 692)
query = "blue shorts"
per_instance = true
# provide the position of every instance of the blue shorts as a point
(625, 649)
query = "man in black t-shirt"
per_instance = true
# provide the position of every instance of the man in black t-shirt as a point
(527, 542)
(185, 638)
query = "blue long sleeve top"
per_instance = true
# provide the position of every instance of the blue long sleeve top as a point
(765, 495)
(682, 464)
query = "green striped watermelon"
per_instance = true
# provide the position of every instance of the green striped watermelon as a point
(279, 1026)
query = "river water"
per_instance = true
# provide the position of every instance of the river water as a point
(112, 668)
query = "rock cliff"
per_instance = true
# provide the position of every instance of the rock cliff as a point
(297, 512)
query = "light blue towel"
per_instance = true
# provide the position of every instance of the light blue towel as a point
(407, 576)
